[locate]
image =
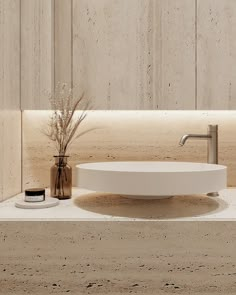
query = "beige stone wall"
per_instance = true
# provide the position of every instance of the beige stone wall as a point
(135, 54)
(123, 54)
(10, 153)
(10, 115)
(130, 136)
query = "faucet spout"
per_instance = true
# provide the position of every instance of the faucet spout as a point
(212, 146)
(183, 139)
(212, 138)
(193, 136)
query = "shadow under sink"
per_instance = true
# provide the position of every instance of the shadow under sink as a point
(176, 207)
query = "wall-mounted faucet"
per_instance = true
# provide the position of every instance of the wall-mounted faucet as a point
(212, 146)
(212, 142)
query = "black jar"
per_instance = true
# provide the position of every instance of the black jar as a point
(35, 195)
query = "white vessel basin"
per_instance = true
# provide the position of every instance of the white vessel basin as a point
(152, 180)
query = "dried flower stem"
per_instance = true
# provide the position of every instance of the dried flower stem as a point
(62, 126)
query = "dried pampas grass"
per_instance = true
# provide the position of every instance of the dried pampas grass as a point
(63, 124)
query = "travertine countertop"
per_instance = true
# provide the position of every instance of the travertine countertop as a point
(87, 205)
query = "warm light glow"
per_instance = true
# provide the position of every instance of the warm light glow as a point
(148, 114)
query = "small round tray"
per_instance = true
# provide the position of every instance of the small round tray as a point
(48, 203)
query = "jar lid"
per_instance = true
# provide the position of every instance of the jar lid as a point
(35, 192)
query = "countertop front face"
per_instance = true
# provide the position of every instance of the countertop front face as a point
(87, 205)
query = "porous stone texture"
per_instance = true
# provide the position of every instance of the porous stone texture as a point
(10, 115)
(10, 153)
(117, 258)
(129, 136)
(125, 56)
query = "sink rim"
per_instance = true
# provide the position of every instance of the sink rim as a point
(186, 167)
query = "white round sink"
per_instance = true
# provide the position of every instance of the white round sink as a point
(152, 180)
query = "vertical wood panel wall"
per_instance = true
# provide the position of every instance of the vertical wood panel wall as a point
(10, 115)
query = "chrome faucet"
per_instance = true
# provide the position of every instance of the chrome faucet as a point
(212, 142)
(212, 146)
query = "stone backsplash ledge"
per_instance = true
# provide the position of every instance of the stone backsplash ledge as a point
(129, 136)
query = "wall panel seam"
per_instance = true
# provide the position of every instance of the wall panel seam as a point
(196, 54)
(72, 82)
(54, 44)
(20, 102)
(20, 105)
